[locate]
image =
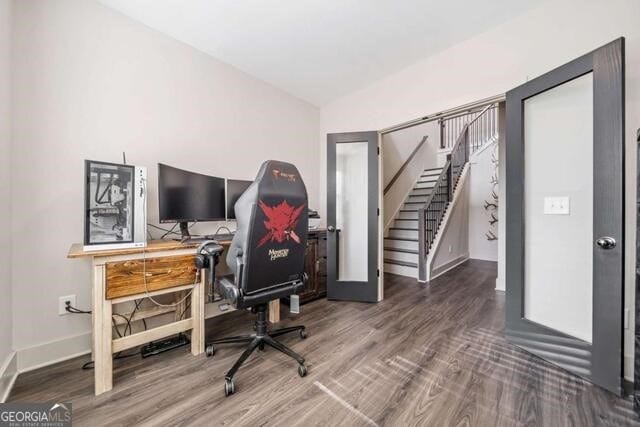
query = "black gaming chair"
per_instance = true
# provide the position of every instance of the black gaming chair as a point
(266, 257)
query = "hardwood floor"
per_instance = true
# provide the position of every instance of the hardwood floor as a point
(427, 355)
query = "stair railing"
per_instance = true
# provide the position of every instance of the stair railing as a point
(430, 214)
(484, 127)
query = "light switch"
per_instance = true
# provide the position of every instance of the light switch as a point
(556, 206)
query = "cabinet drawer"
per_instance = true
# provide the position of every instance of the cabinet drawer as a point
(126, 278)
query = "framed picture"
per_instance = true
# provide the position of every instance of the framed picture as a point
(109, 203)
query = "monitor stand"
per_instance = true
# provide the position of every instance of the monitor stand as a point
(184, 231)
(186, 237)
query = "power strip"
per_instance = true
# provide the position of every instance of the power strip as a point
(157, 347)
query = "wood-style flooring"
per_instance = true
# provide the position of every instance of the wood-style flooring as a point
(429, 355)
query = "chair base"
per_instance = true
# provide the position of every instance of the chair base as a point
(258, 340)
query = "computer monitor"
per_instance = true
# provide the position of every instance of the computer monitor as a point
(235, 188)
(185, 197)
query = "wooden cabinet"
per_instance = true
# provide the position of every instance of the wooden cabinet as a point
(315, 267)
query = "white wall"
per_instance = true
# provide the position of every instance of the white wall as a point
(480, 188)
(5, 190)
(91, 83)
(496, 61)
(396, 148)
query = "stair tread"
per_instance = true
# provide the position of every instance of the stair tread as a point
(403, 228)
(406, 251)
(406, 239)
(432, 169)
(403, 263)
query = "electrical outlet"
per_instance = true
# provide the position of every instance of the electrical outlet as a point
(62, 304)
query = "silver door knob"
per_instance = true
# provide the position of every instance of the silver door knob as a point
(606, 242)
(331, 228)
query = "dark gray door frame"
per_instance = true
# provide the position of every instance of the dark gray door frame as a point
(602, 361)
(352, 290)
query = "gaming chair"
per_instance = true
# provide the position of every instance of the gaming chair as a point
(266, 257)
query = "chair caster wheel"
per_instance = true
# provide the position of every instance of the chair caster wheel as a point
(302, 370)
(229, 388)
(209, 350)
(261, 346)
(303, 334)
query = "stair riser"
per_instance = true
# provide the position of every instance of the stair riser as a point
(405, 223)
(429, 176)
(401, 256)
(421, 192)
(404, 234)
(408, 215)
(412, 206)
(424, 185)
(401, 270)
(400, 244)
(419, 198)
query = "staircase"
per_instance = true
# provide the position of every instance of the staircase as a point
(409, 245)
(401, 246)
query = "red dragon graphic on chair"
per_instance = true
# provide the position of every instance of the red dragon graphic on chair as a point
(281, 222)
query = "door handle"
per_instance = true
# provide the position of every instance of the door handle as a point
(331, 228)
(606, 242)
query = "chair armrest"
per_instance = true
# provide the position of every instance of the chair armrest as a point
(239, 269)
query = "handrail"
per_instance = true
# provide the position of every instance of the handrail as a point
(404, 165)
(484, 110)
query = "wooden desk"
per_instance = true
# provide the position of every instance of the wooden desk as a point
(118, 276)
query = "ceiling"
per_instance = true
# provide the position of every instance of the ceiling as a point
(320, 50)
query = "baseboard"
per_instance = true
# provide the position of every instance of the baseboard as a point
(46, 354)
(450, 265)
(8, 375)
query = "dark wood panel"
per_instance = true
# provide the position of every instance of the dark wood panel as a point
(128, 277)
(428, 355)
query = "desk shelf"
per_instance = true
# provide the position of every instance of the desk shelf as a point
(212, 309)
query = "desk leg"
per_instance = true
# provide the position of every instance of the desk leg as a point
(274, 311)
(102, 339)
(197, 315)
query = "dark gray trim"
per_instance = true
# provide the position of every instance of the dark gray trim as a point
(351, 290)
(602, 361)
(636, 362)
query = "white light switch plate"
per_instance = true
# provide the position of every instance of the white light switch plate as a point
(556, 206)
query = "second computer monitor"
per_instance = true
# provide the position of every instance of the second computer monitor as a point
(186, 196)
(235, 188)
